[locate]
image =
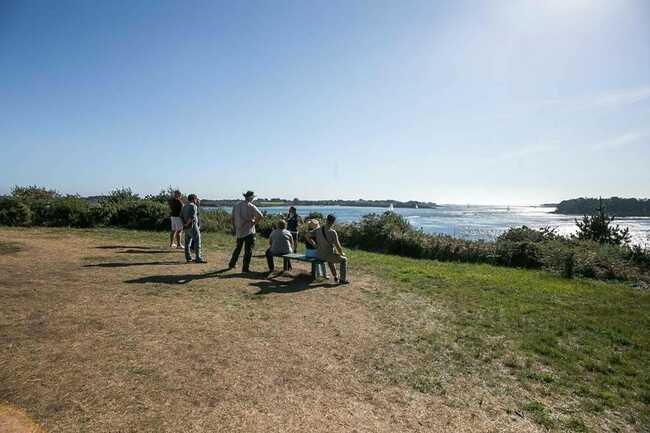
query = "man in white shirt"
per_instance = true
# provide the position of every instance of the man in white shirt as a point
(280, 242)
(244, 217)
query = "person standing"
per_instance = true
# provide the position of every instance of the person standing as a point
(329, 249)
(244, 217)
(293, 225)
(192, 225)
(175, 207)
(280, 242)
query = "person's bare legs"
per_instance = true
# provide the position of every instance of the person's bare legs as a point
(172, 236)
(178, 236)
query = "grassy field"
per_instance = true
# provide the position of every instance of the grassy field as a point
(106, 330)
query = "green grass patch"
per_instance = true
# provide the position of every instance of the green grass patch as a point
(572, 338)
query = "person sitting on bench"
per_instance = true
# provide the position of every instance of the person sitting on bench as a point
(329, 248)
(280, 242)
(310, 249)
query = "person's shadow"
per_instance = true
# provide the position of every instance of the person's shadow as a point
(129, 264)
(175, 279)
(296, 284)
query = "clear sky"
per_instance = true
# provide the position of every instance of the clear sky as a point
(489, 102)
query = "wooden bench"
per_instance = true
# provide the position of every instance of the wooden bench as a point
(315, 263)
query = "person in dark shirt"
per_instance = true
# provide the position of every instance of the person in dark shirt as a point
(293, 225)
(175, 207)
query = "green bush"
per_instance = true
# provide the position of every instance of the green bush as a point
(140, 214)
(217, 220)
(120, 196)
(14, 212)
(32, 193)
(68, 211)
(270, 222)
(392, 233)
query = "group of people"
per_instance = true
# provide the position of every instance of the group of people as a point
(321, 242)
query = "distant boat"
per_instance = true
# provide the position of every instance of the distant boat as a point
(416, 206)
(391, 207)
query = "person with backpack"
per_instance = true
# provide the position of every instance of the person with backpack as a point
(192, 226)
(328, 248)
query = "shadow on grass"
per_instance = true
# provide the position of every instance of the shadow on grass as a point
(247, 275)
(128, 264)
(7, 248)
(147, 251)
(297, 284)
(121, 247)
(175, 279)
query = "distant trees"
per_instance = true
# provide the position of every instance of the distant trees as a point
(33, 193)
(599, 228)
(616, 206)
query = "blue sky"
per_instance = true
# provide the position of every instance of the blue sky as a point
(516, 102)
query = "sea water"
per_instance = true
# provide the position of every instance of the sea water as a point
(475, 222)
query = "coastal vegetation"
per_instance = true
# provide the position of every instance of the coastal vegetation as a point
(615, 206)
(599, 250)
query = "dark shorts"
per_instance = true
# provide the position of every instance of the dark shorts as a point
(295, 236)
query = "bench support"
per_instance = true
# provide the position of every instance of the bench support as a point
(317, 266)
(314, 269)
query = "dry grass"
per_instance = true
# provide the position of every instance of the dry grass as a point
(103, 335)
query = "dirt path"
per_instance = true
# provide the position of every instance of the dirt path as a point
(103, 336)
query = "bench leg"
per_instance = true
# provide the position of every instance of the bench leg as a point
(285, 264)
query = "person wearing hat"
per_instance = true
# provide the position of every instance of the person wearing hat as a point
(328, 248)
(244, 217)
(310, 248)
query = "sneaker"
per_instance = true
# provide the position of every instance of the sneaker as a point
(181, 247)
(344, 282)
(172, 246)
(200, 261)
(189, 261)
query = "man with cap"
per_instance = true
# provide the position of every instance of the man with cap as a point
(244, 217)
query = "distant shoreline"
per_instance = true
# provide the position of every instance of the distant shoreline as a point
(614, 206)
(327, 203)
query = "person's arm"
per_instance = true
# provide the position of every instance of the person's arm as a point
(193, 217)
(337, 244)
(259, 216)
(308, 239)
